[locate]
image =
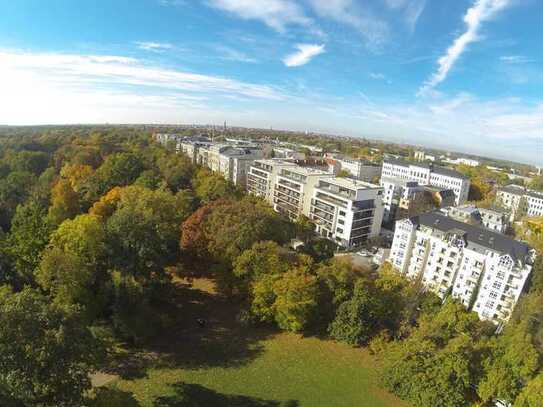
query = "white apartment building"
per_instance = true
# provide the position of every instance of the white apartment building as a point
(293, 190)
(262, 176)
(428, 174)
(520, 201)
(394, 190)
(344, 210)
(347, 211)
(359, 169)
(232, 161)
(492, 219)
(485, 270)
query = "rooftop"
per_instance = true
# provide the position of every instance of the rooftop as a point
(351, 183)
(476, 236)
(448, 172)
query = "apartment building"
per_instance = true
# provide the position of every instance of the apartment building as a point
(493, 219)
(484, 269)
(403, 198)
(232, 162)
(520, 201)
(344, 210)
(357, 168)
(347, 211)
(293, 190)
(262, 176)
(428, 174)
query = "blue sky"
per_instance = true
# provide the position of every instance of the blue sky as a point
(465, 75)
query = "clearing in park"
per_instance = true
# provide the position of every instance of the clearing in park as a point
(226, 364)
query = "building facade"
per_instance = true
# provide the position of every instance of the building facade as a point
(485, 270)
(520, 201)
(347, 211)
(428, 174)
(344, 210)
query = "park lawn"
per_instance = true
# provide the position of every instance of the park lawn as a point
(256, 367)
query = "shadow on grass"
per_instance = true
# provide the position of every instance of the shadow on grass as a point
(194, 395)
(107, 397)
(221, 342)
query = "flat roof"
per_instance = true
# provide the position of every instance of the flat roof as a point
(351, 183)
(448, 172)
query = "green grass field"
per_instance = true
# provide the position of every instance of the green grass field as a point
(225, 364)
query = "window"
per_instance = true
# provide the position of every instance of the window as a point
(500, 275)
(497, 285)
(339, 230)
(342, 213)
(493, 295)
(341, 222)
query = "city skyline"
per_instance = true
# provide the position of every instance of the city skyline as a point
(462, 75)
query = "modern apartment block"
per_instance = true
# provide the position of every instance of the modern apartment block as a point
(428, 174)
(293, 190)
(347, 211)
(484, 269)
(520, 201)
(344, 210)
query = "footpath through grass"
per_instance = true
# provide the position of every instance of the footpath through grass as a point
(225, 364)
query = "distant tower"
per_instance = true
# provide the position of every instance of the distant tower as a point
(225, 126)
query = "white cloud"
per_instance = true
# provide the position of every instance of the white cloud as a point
(305, 53)
(515, 59)
(377, 76)
(232, 54)
(481, 11)
(62, 88)
(277, 14)
(154, 46)
(374, 30)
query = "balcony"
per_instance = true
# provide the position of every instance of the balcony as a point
(290, 185)
(326, 208)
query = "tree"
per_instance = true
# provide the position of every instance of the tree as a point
(144, 230)
(77, 174)
(64, 202)
(14, 189)
(296, 297)
(46, 353)
(357, 318)
(440, 363)
(536, 183)
(210, 186)
(34, 162)
(73, 267)
(532, 394)
(27, 239)
(118, 169)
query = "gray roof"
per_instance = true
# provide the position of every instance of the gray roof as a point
(449, 172)
(476, 236)
(518, 190)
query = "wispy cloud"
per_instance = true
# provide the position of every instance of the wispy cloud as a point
(377, 76)
(154, 46)
(305, 53)
(277, 14)
(231, 54)
(481, 11)
(411, 10)
(113, 72)
(515, 59)
(374, 30)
